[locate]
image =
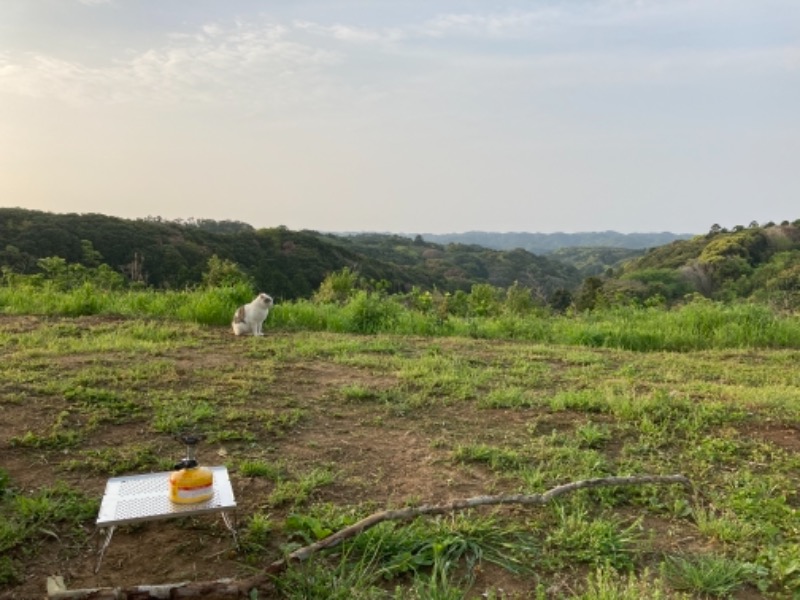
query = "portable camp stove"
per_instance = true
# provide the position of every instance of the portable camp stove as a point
(136, 498)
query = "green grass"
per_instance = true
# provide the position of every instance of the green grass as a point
(609, 584)
(707, 574)
(580, 537)
(261, 468)
(493, 405)
(296, 491)
(439, 555)
(699, 325)
(121, 460)
(30, 518)
(499, 459)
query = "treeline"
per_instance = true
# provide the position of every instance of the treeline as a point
(174, 255)
(289, 264)
(758, 263)
(755, 263)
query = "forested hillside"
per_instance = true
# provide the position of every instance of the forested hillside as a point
(760, 263)
(545, 243)
(594, 260)
(462, 265)
(289, 264)
(756, 262)
(164, 254)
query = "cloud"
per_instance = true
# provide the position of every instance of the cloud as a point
(352, 34)
(214, 63)
(492, 25)
(268, 63)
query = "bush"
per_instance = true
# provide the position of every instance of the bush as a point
(371, 313)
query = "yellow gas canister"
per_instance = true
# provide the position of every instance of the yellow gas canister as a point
(190, 483)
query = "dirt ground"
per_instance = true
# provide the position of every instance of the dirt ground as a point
(382, 457)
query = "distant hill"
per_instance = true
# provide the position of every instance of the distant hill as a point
(545, 243)
(461, 265)
(595, 260)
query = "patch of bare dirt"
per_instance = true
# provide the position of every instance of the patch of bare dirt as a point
(783, 435)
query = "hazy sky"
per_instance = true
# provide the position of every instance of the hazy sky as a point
(405, 116)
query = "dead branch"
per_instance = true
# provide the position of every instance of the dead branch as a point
(409, 513)
(227, 589)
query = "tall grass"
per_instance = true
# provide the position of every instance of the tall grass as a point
(698, 325)
(212, 306)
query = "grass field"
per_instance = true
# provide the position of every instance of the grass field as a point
(320, 428)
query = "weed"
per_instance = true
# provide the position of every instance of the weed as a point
(346, 576)
(592, 435)
(174, 415)
(511, 397)
(589, 401)
(724, 527)
(559, 454)
(498, 459)
(253, 538)
(357, 392)
(779, 567)
(295, 492)
(115, 406)
(438, 585)
(62, 434)
(10, 571)
(31, 517)
(230, 435)
(120, 460)
(707, 574)
(53, 440)
(595, 540)
(280, 422)
(609, 584)
(260, 468)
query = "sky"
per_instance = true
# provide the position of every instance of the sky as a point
(405, 116)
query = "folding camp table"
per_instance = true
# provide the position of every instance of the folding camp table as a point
(137, 498)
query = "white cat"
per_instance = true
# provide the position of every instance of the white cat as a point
(250, 317)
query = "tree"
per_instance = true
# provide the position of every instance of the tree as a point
(224, 273)
(337, 287)
(589, 293)
(91, 257)
(483, 300)
(519, 300)
(560, 300)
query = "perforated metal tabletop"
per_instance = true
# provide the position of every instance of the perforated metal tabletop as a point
(134, 498)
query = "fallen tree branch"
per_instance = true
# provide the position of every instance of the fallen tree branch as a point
(227, 589)
(409, 513)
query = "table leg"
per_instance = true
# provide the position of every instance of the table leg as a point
(229, 524)
(107, 541)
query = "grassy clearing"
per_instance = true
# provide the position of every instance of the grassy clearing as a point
(325, 428)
